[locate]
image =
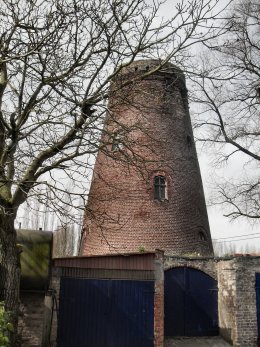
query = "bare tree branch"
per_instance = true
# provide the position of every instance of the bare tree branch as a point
(226, 91)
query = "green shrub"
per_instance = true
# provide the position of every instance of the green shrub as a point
(5, 326)
(141, 249)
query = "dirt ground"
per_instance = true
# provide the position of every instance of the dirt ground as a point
(215, 341)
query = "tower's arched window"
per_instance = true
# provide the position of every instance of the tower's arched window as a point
(160, 192)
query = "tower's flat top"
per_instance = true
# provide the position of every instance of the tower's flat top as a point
(148, 65)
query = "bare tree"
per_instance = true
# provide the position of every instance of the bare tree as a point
(231, 246)
(228, 92)
(65, 241)
(66, 235)
(224, 248)
(37, 213)
(57, 61)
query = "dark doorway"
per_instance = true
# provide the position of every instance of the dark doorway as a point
(191, 305)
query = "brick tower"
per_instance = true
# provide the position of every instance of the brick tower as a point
(146, 191)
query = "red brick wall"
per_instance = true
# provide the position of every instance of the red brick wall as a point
(152, 119)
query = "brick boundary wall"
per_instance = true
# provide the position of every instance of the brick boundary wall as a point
(237, 300)
(30, 318)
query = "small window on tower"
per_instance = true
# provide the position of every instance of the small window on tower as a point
(189, 141)
(160, 192)
(202, 236)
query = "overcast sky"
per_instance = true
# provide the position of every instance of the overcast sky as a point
(221, 227)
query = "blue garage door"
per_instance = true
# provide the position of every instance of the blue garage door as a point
(190, 303)
(105, 313)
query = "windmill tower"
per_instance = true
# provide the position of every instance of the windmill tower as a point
(146, 191)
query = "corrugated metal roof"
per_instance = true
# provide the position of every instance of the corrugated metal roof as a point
(144, 275)
(140, 261)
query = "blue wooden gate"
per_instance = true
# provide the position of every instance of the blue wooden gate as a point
(105, 313)
(190, 303)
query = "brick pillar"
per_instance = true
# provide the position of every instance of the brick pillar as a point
(237, 300)
(159, 300)
(245, 329)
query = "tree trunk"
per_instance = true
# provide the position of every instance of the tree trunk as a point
(9, 271)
